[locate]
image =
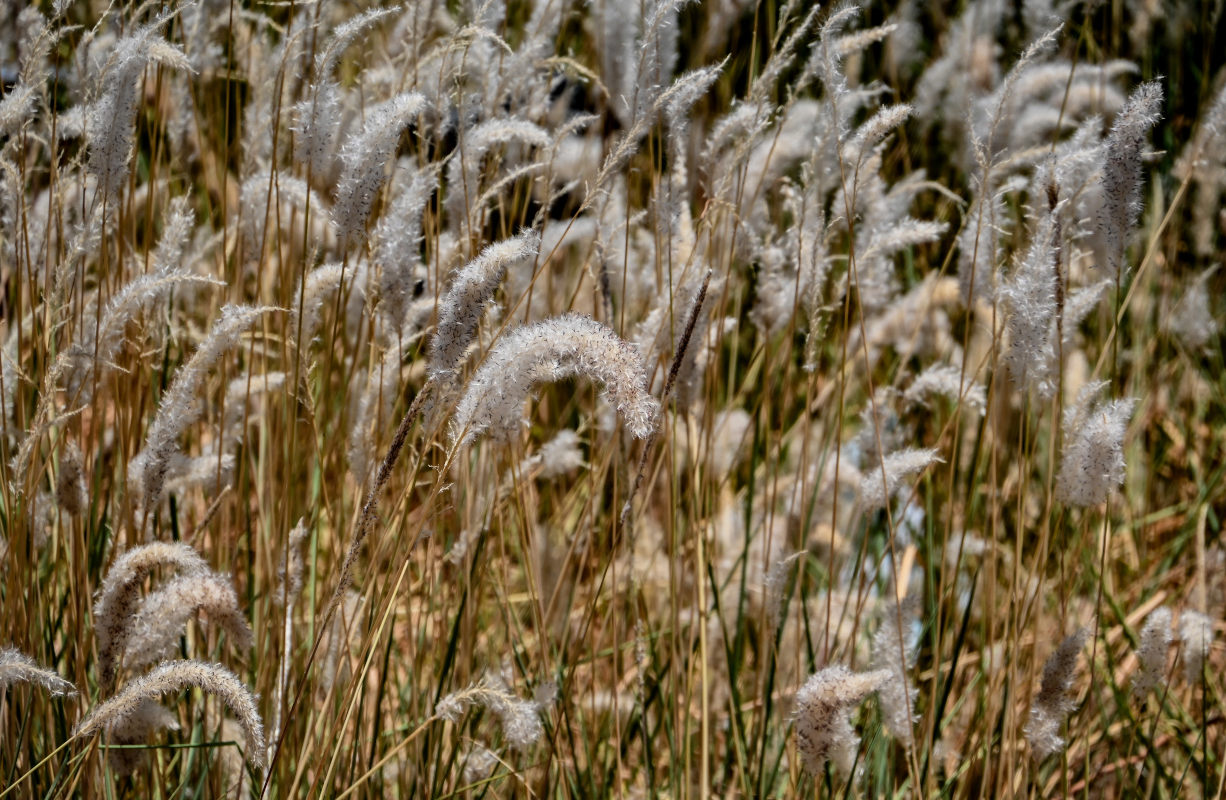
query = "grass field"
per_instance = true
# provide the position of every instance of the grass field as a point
(660, 399)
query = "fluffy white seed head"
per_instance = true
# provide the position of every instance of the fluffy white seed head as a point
(568, 346)
(1029, 296)
(1051, 704)
(822, 716)
(1092, 463)
(117, 599)
(364, 157)
(472, 288)
(1155, 642)
(163, 615)
(947, 380)
(1121, 178)
(180, 406)
(112, 118)
(879, 483)
(17, 667)
(1196, 636)
(174, 676)
(892, 651)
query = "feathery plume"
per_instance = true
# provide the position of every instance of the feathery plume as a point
(155, 629)
(397, 246)
(365, 155)
(520, 719)
(1192, 319)
(823, 716)
(571, 345)
(17, 667)
(173, 676)
(947, 380)
(180, 406)
(117, 599)
(461, 309)
(776, 581)
(1093, 460)
(292, 566)
(1155, 641)
(892, 653)
(1196, 636)
(1030, 296)
(1121, 178)
(16, 108)
(879, 483)
(317, 118)
(112, 118)
(1052, 703)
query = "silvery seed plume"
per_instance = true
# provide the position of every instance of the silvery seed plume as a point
(892, 651)
(947, 380)
(1092, 463)
(520, 719)
(1151, 653)
(563, 347)
(461, 309)
(180, 406)
(1192, 318)
(775, 583)
(163, 616)
(290, 571)
(1196, 637)
(1029, 296)
(880, 482)
(17, 667)
(1121, 177)
(318, 116)
(1051, 704)
(112, 117)
(174, 676)
(118, 598)
(465, 166)
(979, 249)
(97, 350)
(822, 716)
(320, 285)
(17, 108)
(364, 158)
(397, 247)
(826, 60)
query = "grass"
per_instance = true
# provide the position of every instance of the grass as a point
(654, 604)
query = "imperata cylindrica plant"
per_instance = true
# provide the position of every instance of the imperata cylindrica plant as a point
(667, 350)
(364, 159)
(113, 115)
